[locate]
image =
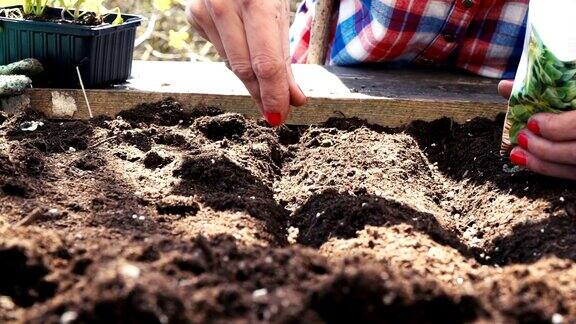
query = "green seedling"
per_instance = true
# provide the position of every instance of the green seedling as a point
(34, 7)
(72, 8)
(78, 8)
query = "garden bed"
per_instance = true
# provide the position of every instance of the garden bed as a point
(164, 215)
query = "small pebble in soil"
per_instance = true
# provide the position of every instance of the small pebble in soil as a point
(71, 150)
(562, 199)
(30, 126)
(130, 271)
(293, 233)
(53, 213)
(6, 303)
(68, 317)
(388, 299)
(141, 218)
(557, 319)
(134, 216)
(436, 253)
(260, 293)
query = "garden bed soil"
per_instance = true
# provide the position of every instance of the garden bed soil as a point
(168, 216)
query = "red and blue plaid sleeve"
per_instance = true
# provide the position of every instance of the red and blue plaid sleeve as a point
(485, 37)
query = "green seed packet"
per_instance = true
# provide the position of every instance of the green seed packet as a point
(546, 77)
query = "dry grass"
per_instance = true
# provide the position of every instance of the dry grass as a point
(171, 38)
(166, 34)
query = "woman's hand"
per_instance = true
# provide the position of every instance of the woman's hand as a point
(252, 36)
(548, 145)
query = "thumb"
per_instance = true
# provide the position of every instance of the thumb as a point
(505, 88)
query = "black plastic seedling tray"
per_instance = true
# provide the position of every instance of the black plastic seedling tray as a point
(103, 53)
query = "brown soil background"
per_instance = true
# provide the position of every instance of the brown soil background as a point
(163, 216)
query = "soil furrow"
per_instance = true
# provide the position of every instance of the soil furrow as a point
(165, 215)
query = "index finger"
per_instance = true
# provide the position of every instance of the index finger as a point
(263, 27)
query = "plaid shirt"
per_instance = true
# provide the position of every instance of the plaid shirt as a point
(485, 37)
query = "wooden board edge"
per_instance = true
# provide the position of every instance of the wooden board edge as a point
(70, 104)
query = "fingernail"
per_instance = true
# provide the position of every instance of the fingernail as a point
(523, 140)
(273, 118)
(533, 126)
(518, 158)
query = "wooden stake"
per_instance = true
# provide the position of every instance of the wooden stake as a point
(320, 33)
(84, 92)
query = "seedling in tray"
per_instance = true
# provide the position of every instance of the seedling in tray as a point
(89, 8)
(34, 8)
(83, 12)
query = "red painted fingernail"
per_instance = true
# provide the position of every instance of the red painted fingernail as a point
(533, 127)
(273, 118)
(523, 140)
(518, 158)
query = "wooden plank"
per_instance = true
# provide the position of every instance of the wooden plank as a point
(385, 97)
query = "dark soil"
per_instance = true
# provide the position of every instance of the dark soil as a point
(171, 215)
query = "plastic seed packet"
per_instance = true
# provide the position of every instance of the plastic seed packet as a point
(546, 77)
